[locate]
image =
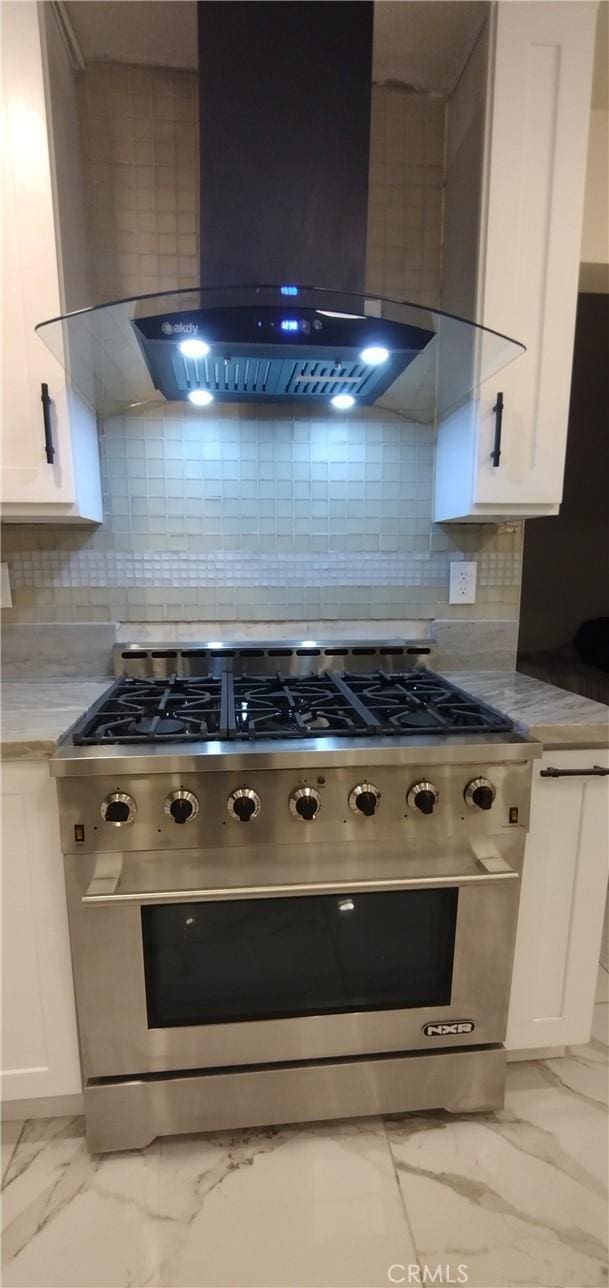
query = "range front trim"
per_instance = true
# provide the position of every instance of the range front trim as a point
(130, 1114)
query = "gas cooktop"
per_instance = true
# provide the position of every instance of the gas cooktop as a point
(241, 707)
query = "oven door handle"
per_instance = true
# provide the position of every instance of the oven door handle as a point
(104, 887)
(106, 876)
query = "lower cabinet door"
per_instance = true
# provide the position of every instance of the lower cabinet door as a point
(562, 904)
(39, 1040)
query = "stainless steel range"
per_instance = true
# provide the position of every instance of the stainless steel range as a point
(293, 876)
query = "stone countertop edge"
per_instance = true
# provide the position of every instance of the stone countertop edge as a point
(36, 714)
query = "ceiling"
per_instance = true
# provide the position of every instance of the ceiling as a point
(162, 33)
(425, 43)
(419, 43)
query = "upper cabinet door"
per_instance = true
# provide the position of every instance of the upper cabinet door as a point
(526, 212)
(542, 78)
(34, 486)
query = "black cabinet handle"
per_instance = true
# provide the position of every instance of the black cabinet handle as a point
(46, 419)
(498, 410)
(596, 771)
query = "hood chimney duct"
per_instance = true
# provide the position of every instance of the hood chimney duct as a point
(284, 93)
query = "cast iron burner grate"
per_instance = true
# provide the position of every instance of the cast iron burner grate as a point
(314, 706)
(329, 705)
(146, 711)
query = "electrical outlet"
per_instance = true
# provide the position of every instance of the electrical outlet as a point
(462, 587)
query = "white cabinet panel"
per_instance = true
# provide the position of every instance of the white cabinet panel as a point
(31, 486)
(39, 1041)
(562, 905)
(524, 210)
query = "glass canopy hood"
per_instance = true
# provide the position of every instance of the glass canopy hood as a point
(275, 344)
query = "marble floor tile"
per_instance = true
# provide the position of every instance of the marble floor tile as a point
(583, 1069)
(73, 1221)
(11, 1132)
(518, 1196)
(311, 1205)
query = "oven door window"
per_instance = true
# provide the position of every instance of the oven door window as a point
(260, 959)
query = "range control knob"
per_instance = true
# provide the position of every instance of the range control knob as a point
(364, 799)
(424, 796)
(118, 809)
(305, 804)
(244, 804)
(182, 806)
(480, 793)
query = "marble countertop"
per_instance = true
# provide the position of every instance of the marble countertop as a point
(37, 713)
(554, 716)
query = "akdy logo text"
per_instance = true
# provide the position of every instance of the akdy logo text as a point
(449, 1029)
(179, 328)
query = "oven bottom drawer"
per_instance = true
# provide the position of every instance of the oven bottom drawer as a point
(130, 1114)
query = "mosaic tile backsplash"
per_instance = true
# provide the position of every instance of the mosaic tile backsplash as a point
(240, 515)
(253, 517)
(140, 159)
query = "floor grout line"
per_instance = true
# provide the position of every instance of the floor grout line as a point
(402, 1198)
(12, 1153)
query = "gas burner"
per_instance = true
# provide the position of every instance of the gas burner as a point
(331, 704)
(280, 706)
(330, 722)
(156, 726)
(402, 721)
(420, 701)
(146, 711)
(264, 718)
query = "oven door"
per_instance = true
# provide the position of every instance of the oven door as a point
(207, 976)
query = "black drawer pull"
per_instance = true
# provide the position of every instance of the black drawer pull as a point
(46, 417)
(498, 410)
(596, 771)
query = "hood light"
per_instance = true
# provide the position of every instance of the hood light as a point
(342, 402)
(194, 348)
(374, 356)
(201, 397)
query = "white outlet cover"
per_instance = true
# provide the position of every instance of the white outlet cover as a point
(462, 585)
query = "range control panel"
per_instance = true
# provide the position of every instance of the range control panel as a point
(337, 804)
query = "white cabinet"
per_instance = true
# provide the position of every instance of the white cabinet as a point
(39, 1040)
(32, 487)
(516, 159)
(561, 905)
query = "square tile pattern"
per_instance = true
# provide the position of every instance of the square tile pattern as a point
(250, 517)
(516, 1197)
(139, 137)
(242, 515)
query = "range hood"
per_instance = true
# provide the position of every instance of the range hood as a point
(262, 352)
(284, 134)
